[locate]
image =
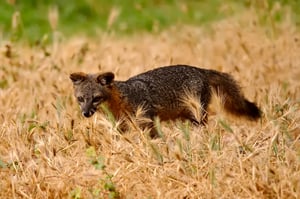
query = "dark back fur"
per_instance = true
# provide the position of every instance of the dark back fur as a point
(161, 91)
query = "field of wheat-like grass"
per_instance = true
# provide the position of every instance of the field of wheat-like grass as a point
(48, 150)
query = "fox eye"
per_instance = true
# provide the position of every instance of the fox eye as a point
(80, 99)
(96, 99)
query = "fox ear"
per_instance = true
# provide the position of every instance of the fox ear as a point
(78, 77)
(105, 78)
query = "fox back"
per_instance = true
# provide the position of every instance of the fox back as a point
(162, 91)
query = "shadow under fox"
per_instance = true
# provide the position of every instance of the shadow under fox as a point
(161, 92)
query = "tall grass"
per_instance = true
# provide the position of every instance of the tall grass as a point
(39, 21)
(48, 150)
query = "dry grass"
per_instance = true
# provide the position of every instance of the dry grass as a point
(48, 150)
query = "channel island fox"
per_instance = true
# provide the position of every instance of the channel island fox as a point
(160, 93)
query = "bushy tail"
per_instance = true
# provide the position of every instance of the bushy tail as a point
(234, 101)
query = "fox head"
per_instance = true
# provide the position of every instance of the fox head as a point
(91, 90)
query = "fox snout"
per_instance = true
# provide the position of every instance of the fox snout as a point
(88, 113)
(88, 107)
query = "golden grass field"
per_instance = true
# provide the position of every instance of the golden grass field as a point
(48, 150)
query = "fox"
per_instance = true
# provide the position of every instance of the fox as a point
(160, 92)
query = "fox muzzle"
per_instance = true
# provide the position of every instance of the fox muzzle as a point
(88, 113)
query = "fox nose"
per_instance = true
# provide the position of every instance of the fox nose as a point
(87, 114)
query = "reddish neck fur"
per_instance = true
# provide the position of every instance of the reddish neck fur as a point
(118, 105)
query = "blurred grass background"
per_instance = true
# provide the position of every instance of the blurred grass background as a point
(36, 19)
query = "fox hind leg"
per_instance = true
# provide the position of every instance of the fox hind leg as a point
(198, 117)
(204, 101)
